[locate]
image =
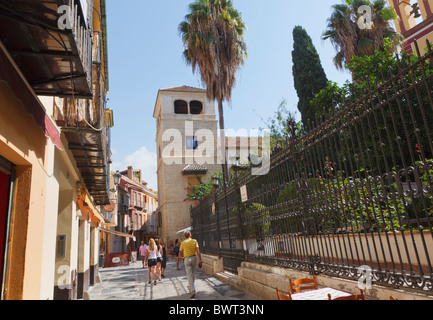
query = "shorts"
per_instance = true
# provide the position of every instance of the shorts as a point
(151, 262)
(159, 259)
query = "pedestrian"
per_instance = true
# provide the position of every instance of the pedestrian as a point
(189, 249)
(164, 257)
(131, 250)
(151, 253)
(142, 252)
(176, 252)
(158, 258)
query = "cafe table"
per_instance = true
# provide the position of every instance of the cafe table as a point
(319, 294)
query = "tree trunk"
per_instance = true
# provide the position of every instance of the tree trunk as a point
(223, 140)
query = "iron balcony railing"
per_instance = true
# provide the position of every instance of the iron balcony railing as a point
(51, 42)
(83, 121)
(150, 229)
(355, 193)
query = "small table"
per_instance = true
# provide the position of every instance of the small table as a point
(319, 294)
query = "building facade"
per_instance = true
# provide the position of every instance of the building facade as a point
(186, 141)
(134, 214)
(54, 147)
(414, 22)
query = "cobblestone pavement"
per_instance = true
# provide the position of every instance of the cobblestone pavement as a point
(131, 283)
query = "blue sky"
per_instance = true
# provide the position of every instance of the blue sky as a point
(145, 54)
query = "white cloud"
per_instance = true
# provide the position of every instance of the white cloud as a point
(141, 159)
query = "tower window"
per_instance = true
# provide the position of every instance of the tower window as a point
(180, 107)
(196, 107)
(191, 143)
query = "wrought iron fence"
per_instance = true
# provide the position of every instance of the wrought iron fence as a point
(356, 190)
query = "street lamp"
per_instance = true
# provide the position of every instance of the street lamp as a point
(216, 182)
(116, 178)
(237, 166)
(238, 163)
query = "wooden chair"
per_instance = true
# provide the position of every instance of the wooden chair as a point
(282, 296)
(300, 284)
(360, 296)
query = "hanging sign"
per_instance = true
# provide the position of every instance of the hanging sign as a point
(244, 194)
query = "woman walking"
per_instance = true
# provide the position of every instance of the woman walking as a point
(158, 257)
(151, 255)
(164, 258)
(176, 252)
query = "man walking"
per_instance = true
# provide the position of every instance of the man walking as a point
(189, 249)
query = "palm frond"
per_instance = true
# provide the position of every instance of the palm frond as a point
(349, 38)
(213, 35)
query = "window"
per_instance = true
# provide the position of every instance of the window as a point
(180, 107)
(191, 143)
(61, 246)
(196, 107)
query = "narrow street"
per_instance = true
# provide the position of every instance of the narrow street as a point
(131, 283)
(304, 156)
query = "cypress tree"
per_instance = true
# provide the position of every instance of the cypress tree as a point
(308, 73)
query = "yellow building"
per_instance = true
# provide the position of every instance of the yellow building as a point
(414, 22)
(54, 156)
(185, 124)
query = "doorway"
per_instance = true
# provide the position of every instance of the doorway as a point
(6, 181)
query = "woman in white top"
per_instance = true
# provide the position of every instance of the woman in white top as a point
(151, 255)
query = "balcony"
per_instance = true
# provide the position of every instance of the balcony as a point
(55, 61)
(122, 209)
(150, 229)
(84, 123)
(60, 55)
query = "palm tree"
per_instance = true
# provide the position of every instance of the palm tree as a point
(213, 36)
(351, 35)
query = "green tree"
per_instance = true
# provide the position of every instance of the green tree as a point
(308, 73)
(329, 101)
(213, 35)
(203, 190)
(283, 127)
(355, 32)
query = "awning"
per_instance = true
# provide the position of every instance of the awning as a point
(184, 230)
(194, 169)
(88, 209)
(117, 233)
(11, 75)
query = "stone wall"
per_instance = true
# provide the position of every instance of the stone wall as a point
(261, 281)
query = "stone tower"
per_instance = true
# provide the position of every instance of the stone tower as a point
(186, 140)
